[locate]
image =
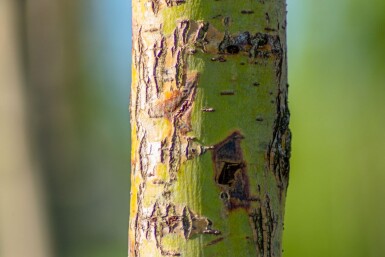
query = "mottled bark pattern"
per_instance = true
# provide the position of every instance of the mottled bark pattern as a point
(201, 186)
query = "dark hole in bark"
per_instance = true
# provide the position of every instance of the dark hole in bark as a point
(224, 196)
(247, 11)
(233, 49)
(228, 173)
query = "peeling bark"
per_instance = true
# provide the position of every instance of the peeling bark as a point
(211, 143)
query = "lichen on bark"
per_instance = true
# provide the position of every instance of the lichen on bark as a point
(210, 136)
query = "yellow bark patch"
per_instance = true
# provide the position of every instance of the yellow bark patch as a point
(135, 179)
(151, 193)
(134, 77)
(149, 248)
(170, 94)
(155, 185)
(161, 172)
(173, 242)
(164, 129)
(135, 182)
(134, 144)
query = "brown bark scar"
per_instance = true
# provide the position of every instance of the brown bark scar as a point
(230, 172)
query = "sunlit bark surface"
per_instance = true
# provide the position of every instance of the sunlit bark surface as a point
(210, 136)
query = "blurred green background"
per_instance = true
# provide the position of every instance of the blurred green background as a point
(64, 128)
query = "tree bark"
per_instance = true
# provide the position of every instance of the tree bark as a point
(210, 136)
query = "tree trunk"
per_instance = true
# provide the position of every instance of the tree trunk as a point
(210, 136)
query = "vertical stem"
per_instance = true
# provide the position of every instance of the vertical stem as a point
(210, 136)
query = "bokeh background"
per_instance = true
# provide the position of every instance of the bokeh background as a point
(64, 128)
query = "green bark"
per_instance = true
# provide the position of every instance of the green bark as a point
(211, 144)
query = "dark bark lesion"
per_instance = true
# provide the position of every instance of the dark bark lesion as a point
(264, 223)
(279, 150)
(230, 172)
(256, 219)
(255, 45)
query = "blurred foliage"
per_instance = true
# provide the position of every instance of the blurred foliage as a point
(78, 70)
(337, 93)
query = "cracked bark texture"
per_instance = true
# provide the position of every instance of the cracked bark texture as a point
(210, 136)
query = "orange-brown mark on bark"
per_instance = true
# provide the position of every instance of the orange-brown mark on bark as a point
(178, 102)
